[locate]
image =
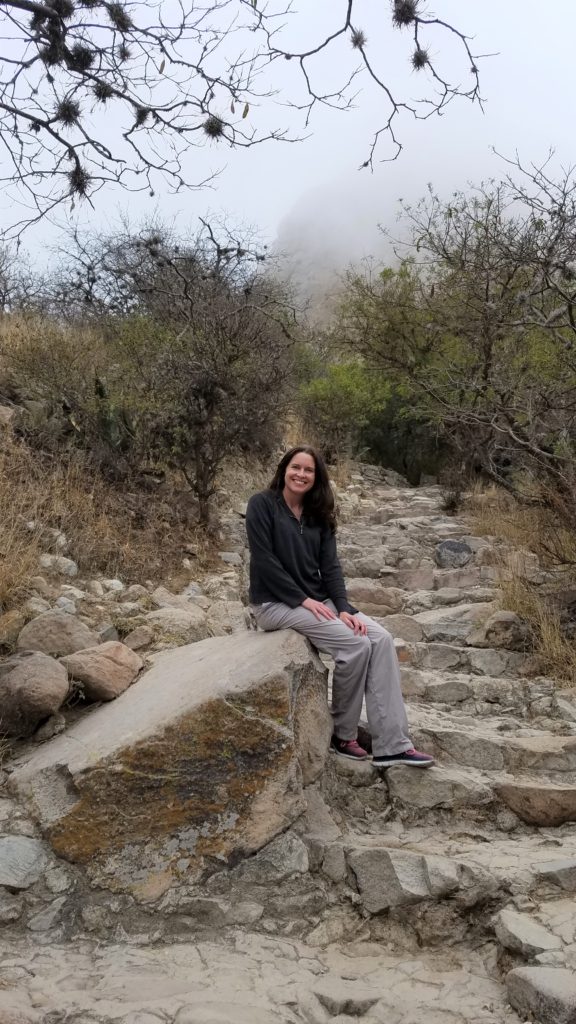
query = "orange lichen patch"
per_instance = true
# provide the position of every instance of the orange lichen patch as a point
(204, 771)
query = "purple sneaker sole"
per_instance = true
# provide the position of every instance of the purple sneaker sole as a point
(413, 758)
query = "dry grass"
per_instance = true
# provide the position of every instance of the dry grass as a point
(535, 528)
(134, 534)
(495, 513)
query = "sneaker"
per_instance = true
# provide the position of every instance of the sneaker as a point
(412, 757)
(348, 748)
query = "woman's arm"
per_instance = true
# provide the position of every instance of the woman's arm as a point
(259, 527)
(331, 572)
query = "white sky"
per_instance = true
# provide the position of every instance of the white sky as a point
(310, 195)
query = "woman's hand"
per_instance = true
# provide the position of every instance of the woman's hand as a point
(353, 622)
(320, 610)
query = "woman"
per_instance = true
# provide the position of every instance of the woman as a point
(296, 583)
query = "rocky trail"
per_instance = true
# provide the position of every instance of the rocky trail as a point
(445, 896)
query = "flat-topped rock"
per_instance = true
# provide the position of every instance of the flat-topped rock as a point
(437, 787)
(462, 689)
(482, 744)
(477, 661)
(544, 804)
(520, 933)
(206, 755)
(545, 994)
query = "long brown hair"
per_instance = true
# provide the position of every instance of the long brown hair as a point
(318, 502)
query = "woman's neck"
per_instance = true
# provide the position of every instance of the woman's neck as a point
(294, 504)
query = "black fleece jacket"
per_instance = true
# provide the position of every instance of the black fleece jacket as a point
(291, 560)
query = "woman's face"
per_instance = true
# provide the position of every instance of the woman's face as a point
(300, 474)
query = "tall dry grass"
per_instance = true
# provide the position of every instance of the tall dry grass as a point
(111, 531)
(536, 529)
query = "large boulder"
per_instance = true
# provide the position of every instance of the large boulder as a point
(56, 633)
(201, 761)
(32, 687)
(104, 671)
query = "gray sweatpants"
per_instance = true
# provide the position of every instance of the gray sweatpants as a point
(364, 666)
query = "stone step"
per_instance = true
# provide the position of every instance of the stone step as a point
(483, 695)
(501, 800)
(425, 600)
(481, 796)
(468, 576)
(449, 624)
(488, 661)
(493, 744)
(416, 867)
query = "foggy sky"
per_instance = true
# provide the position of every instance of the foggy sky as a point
(310, 199)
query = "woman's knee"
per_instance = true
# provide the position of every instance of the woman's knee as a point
(358, 649)
(380, 635)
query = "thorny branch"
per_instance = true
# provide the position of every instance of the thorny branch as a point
(101, 92)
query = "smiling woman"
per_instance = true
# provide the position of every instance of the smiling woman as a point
(296, 582)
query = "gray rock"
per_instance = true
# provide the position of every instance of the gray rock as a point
(405, 627)
(389, 877)
(560, 872)
(32, 688)
(163, 598)
(376, 597)
(244, 912)
(66, 604)
(53, 726)
(140, 637)
(334, 862)
(11, 908)
(208, 912)
(540, 803)
(230, 557)
(135, 592)
(283, 857)
(46, 918)
(452, 554)
(104, 671)
(59, 564)
(36, 606)
(437, 787)
(192, 590)
(56, 633)
(59, 879)
(227, 617)
(545, 994)
(502, 629)
(520, 933)
(114, 586)
(178, 626)
(22, 861)
(107, 633)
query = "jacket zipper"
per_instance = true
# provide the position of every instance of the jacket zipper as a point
(299, 521)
